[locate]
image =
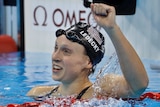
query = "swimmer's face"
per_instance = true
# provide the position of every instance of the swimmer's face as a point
(69, 60)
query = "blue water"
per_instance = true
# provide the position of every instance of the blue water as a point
(18, 75)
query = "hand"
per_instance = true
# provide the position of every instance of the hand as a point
(104, 15)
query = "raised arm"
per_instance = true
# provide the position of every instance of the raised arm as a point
(134, 75)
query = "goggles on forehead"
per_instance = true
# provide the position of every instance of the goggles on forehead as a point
(71, 35)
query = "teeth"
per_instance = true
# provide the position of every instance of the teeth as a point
(56, 67)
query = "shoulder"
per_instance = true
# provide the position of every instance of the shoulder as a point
(113, 80)
(115, 84)
(39, 90)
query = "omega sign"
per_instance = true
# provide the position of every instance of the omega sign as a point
(59, 17)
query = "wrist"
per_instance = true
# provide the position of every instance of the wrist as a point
(112, 29)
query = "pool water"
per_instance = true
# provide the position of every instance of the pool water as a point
(18, 75)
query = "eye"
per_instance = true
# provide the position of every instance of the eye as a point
(66, 51)
(55, 48)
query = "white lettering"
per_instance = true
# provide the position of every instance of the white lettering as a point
(90, 40)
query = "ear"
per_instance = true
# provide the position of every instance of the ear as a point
(89, 63)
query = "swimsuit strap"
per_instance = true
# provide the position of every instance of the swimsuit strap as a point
(42, 98)
(53, 91)
(82, 93)
(78, 97)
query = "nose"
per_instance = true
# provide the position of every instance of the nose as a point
(56, 56)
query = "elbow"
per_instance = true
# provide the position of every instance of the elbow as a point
(142, 88)
(144, 83)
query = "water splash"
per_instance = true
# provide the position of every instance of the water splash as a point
(94, 102)
(111, 67)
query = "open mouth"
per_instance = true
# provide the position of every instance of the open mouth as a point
(56, 68)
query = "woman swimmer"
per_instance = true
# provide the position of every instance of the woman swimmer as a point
(80, 48)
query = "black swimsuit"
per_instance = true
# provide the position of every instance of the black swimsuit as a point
(41, 98)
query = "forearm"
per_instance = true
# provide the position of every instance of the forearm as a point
(131, 65)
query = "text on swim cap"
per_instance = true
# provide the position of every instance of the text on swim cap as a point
(90, 40)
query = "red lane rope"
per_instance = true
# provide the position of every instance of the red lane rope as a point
(151, 95)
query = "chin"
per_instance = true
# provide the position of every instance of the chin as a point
(56, 78)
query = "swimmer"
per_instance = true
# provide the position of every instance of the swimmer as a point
(77, 52)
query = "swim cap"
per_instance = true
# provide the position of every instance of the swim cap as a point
(89, 37)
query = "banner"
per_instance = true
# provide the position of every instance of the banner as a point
(44, 17)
